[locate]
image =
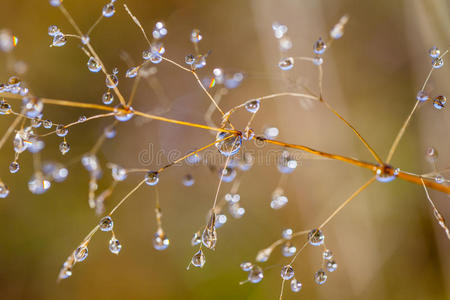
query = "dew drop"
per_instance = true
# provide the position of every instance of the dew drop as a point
(422, 96)
(319, 47)
(106, 224)
(107, 98)
(287, 233)
(287, 272)
(286, 163)
(196, 239)
(331, 266)
(38, 184)
(256, 274)
(316, 237)
(327, 254)
(123, 114)
(198, 260)
(132, 72)
(439, 102)
(434, 52)
(228, 144)
(188, 180)
(317, 60)
(288, 249)
(320, 277)
(112, 81)
(93, 65)
(152, 178)
(114, 245)
(296, 285)
(286, 63)
(81, 253)
(64, 147)
(108, 10)
(246, 266)
(59, 40)
(118, 173)
(14, 167)
(4, 191)
(437, 63)
(61, 131)
(264, 254)
(47, 124)
(196, 36)
(252, 106)
(53, 30)
(160, 240)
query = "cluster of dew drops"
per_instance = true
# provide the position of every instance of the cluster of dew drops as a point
(25, 139)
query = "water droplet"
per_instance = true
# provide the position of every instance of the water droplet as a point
(434, 52)
(246, 266)
(316, 237)
(279, 30)
(64, 147)
(55, 171)
(196, 239)
(227, 174)
(110, 131)
(271, 132)
(331, 266)
(285, 44)
(386, 173)
(152, 178)
(114, 245)
(82, 119)
(264, 254)
(32, 106)
(118, 173)
(255, 275)
(38, 184)
(236, 211)
(93, 65)
(296, 285)
(196, 36)
(5, 108)
(85, 39)
(422, 96)
(437, 63)
(21, 140)
(108, 10)
(107, 98)
(6, 40)
(106, 224)
(439, 102)
(53, 30)
(4, 191)
(198, 260)
(287, 233)
(80, 253)
(319, 47)
(278, 199)
(123, 114)
(14, 167)
(47, 124)
(320, 277)
(112, 81)
(439, 178)
(209, 236)
(287, 272)
(431, 154)
(232, 198)
(252, 106)
(59, 40)
(61, 131)
(220, 220)
(231, 145)
(189, 59)
(317, 60)
(90, 163)
(288, 249)
(327, 254)
(286, 63)
(65, 271)
(188, 180)
(132, 72)
(159, 31)
(286, 163)
(55, 3)
(160, 240)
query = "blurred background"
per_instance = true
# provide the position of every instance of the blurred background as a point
(386, 242)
